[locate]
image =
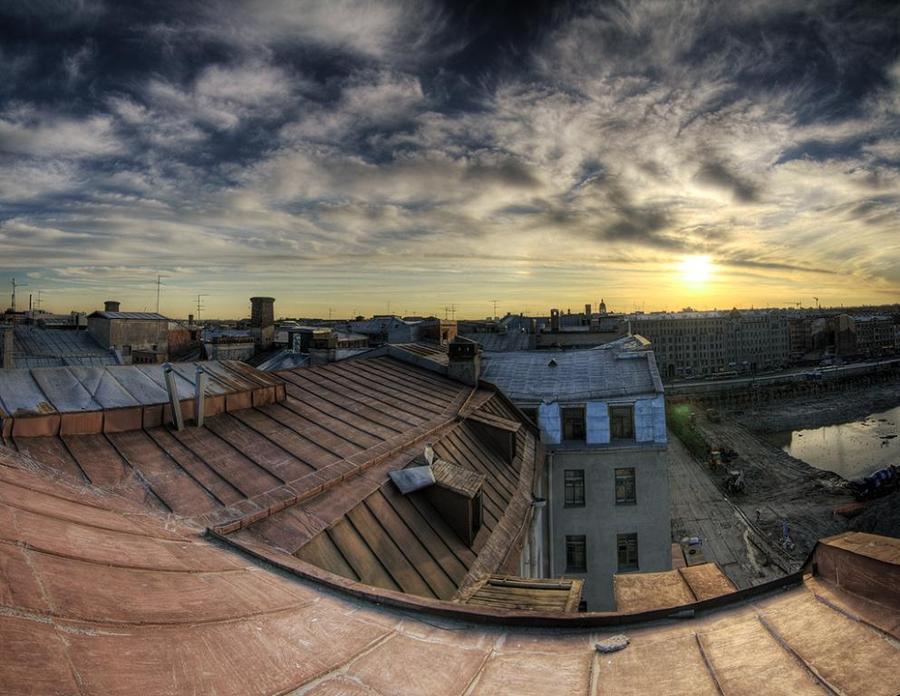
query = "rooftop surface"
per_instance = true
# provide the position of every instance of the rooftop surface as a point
(143, 316)
(38, 347)
(502, 342)
(621, 368)
(100, 597)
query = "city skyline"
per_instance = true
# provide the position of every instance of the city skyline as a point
(412, 156)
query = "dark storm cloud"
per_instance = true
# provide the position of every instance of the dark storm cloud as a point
(718, 174)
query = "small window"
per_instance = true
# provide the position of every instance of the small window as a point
(574, 480)
(627, 545)
(573, 423)
(621, 422)
(576, 554)
(625, 488)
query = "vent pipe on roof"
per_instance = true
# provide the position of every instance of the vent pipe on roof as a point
(200, 395)
(110, 306)
(175, 404)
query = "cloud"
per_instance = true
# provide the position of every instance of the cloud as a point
(275, 137)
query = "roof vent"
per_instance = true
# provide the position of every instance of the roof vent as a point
(552, 363)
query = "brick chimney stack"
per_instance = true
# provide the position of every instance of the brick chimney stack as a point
(111, 306)
(465, 361)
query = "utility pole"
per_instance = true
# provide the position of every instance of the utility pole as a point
(200, 304)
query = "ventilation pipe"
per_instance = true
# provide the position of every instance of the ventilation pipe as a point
(171, 388)
(200, 381)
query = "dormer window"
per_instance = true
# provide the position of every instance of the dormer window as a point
(621, 422)
(573, 423)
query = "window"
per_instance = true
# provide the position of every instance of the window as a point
(627, 545)
(574, 484)
(625, 488)
(576, 554)
(621, 422)
(573, 423)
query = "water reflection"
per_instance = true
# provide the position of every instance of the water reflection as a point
(851, 449)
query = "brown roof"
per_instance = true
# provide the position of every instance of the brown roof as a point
(528, 594)
(457, 478)
(637, 592)
(367, 531)
(99, 597)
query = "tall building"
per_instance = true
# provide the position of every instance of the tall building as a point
(601, 414)
(690, 343)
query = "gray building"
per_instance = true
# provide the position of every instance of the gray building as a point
(692, 344)
(136, 336)
(601, 414)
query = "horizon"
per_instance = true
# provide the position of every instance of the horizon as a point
(410, 156)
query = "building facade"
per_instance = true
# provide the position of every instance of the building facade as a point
(693, 344)
(601, 414)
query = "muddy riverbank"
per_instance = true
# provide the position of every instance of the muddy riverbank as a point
(818, 411)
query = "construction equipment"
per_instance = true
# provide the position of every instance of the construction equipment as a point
(735, 481)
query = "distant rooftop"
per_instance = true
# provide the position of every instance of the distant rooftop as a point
(144, 316)
(622, 368)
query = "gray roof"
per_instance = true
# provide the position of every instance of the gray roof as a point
(502, 342)
(623, 368)
(38, 347)
(73, 389)
(283, 360)
(146, 316)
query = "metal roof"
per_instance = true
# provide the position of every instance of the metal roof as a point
(147, 605)
(502, 342)
(80, 389)
(618, 369)
(144, 316)
(39, 347)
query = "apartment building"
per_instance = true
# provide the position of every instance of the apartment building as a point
(690, 344)
(601, 414)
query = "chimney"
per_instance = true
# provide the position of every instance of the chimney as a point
(110, 306)
(190, 319)
(554, 320)
(587, 310)
(262, 314)
(262, 321)
(465, 361)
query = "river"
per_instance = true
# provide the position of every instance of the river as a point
(852, 450)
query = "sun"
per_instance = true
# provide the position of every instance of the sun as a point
(696, 269)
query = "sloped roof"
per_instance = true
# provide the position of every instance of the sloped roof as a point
(502, 342)
(618, 369)
(142, 316)
(38, 347)
(100, 597)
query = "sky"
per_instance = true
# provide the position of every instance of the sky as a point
(419, 157)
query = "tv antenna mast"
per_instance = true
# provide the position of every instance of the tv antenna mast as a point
(494, 302)
(158, 286)
(817, 302)
(200, 303)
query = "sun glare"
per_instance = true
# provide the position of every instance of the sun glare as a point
(696, 269)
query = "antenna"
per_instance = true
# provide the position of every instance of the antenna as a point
(200, 304)
(817, 301)
(14, 286)
(158, 286)
(453, 312)
(38, 303)
(495, 308)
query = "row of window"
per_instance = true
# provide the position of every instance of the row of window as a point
(573, 480)
(626, 550)
(574, 426)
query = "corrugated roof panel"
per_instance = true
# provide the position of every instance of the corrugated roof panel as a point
(64, 391)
